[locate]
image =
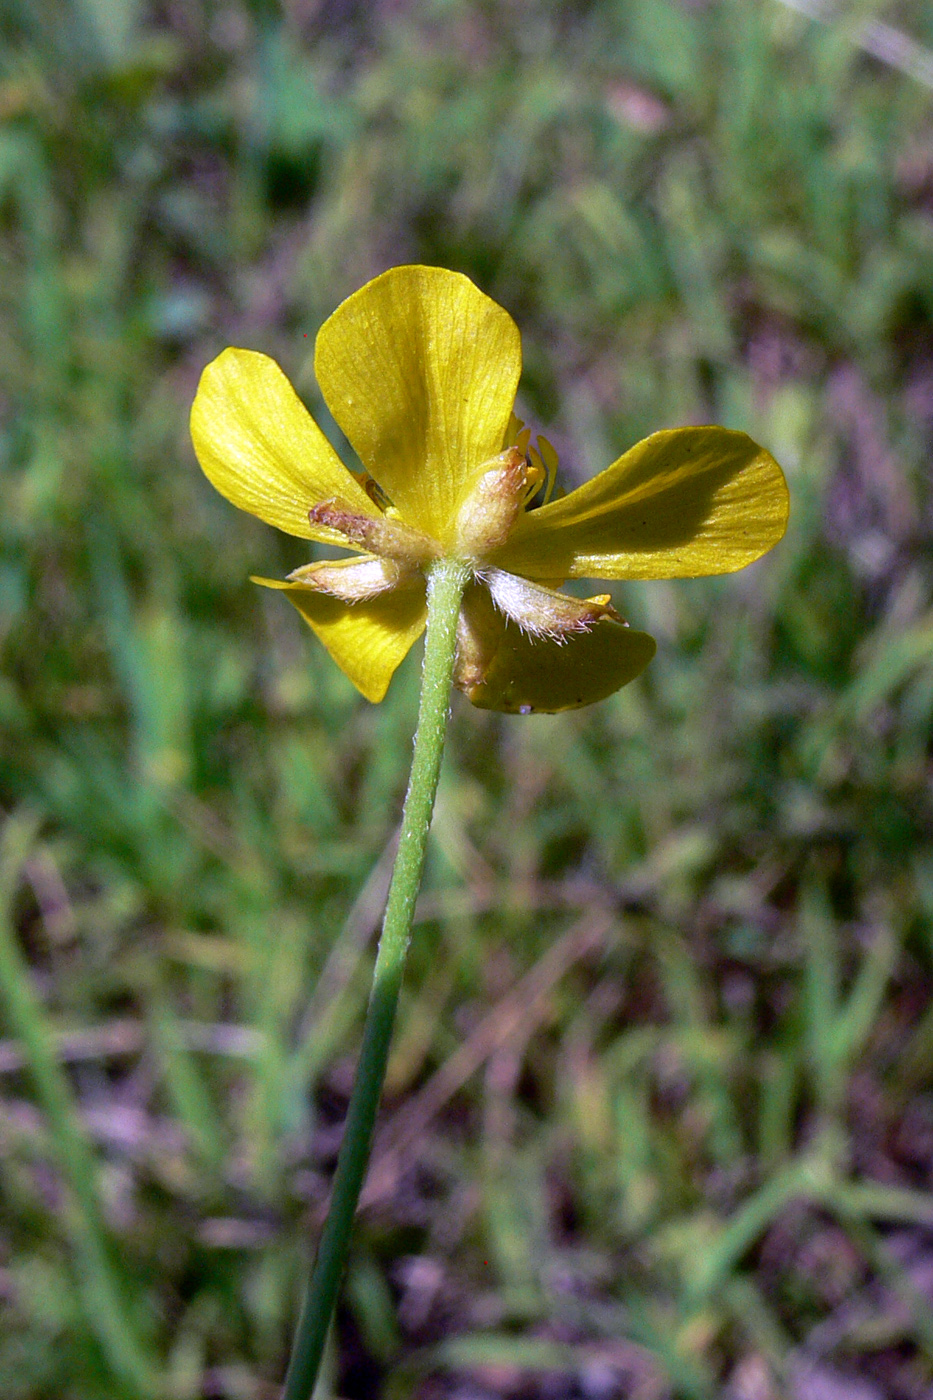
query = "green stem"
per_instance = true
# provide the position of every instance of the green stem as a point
(445, 590)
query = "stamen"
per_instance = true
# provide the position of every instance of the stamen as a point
(536, 475)
(373, 490)
(551, 462)
(542, 465)
(513, 430)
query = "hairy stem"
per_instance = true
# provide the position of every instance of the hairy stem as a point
(446, 582)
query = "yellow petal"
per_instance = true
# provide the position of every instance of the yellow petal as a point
(680, 504)
(537, 675)
(257, 443)
(367, 640)
(420, 369)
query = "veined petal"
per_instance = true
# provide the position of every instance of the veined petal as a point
(368, 640)
(501, 668)
(681, 504)
(420, 370)
(258, 444)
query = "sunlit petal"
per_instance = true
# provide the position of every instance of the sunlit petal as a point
(681, 504)
(260, 447)
(420, 369)
(368, 640)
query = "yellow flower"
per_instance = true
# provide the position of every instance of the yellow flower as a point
(420, 371)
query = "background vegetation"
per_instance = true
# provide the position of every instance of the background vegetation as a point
(659, 1119)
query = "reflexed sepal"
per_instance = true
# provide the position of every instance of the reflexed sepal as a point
(500, 667)
(353, 580)
(542, 612)
(382, 534)
(486, 517)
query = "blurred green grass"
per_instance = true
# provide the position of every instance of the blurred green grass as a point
(659, 1119)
